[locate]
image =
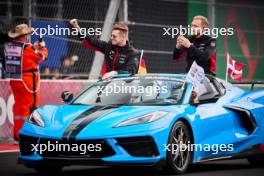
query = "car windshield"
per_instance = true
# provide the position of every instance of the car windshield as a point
(133, 91)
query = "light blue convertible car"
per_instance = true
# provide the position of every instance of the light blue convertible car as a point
(153, 120)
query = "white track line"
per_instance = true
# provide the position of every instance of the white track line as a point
(9, 151)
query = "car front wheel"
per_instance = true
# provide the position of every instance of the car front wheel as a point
(179, 155)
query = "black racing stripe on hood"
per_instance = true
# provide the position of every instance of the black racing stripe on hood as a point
(85, 119)
(78, 119)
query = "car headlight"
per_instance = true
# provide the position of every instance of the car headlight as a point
(143, 119)
(36, 119)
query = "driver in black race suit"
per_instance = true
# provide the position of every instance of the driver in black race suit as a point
(120, 56)
(198, 47)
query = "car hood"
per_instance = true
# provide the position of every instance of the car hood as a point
(64, 118)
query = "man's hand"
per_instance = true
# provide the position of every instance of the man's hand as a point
(109, 75)
(183, 41)
(178, 45)
(74, 24)
(38, 45)
(42, 44)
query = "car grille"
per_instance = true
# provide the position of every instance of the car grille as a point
(25, 144)
(139, 146)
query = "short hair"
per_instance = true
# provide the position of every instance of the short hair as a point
(121, 26)
(203, 19)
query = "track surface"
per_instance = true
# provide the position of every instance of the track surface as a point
(9, 167)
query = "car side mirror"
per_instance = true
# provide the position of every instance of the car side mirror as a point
(66, 96)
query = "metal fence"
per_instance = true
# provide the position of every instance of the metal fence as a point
(146, 20)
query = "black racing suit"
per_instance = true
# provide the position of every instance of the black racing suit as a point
(121, 59)
(202, 51)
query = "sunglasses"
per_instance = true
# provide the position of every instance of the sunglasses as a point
(113, 36)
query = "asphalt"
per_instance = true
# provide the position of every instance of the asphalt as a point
(9, 167)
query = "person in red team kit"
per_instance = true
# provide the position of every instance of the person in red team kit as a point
(198, 47)
(120, 56)
(26, 91)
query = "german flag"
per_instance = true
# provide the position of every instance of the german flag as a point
(142, 69)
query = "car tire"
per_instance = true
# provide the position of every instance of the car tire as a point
(256, 161)
(46, 169)
(177, 162)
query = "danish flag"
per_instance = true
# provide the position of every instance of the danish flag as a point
(234, 68)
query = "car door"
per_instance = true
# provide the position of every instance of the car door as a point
(216, 125)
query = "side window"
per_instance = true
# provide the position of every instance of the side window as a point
(209, 91)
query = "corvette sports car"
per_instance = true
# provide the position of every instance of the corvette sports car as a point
(154, 120)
